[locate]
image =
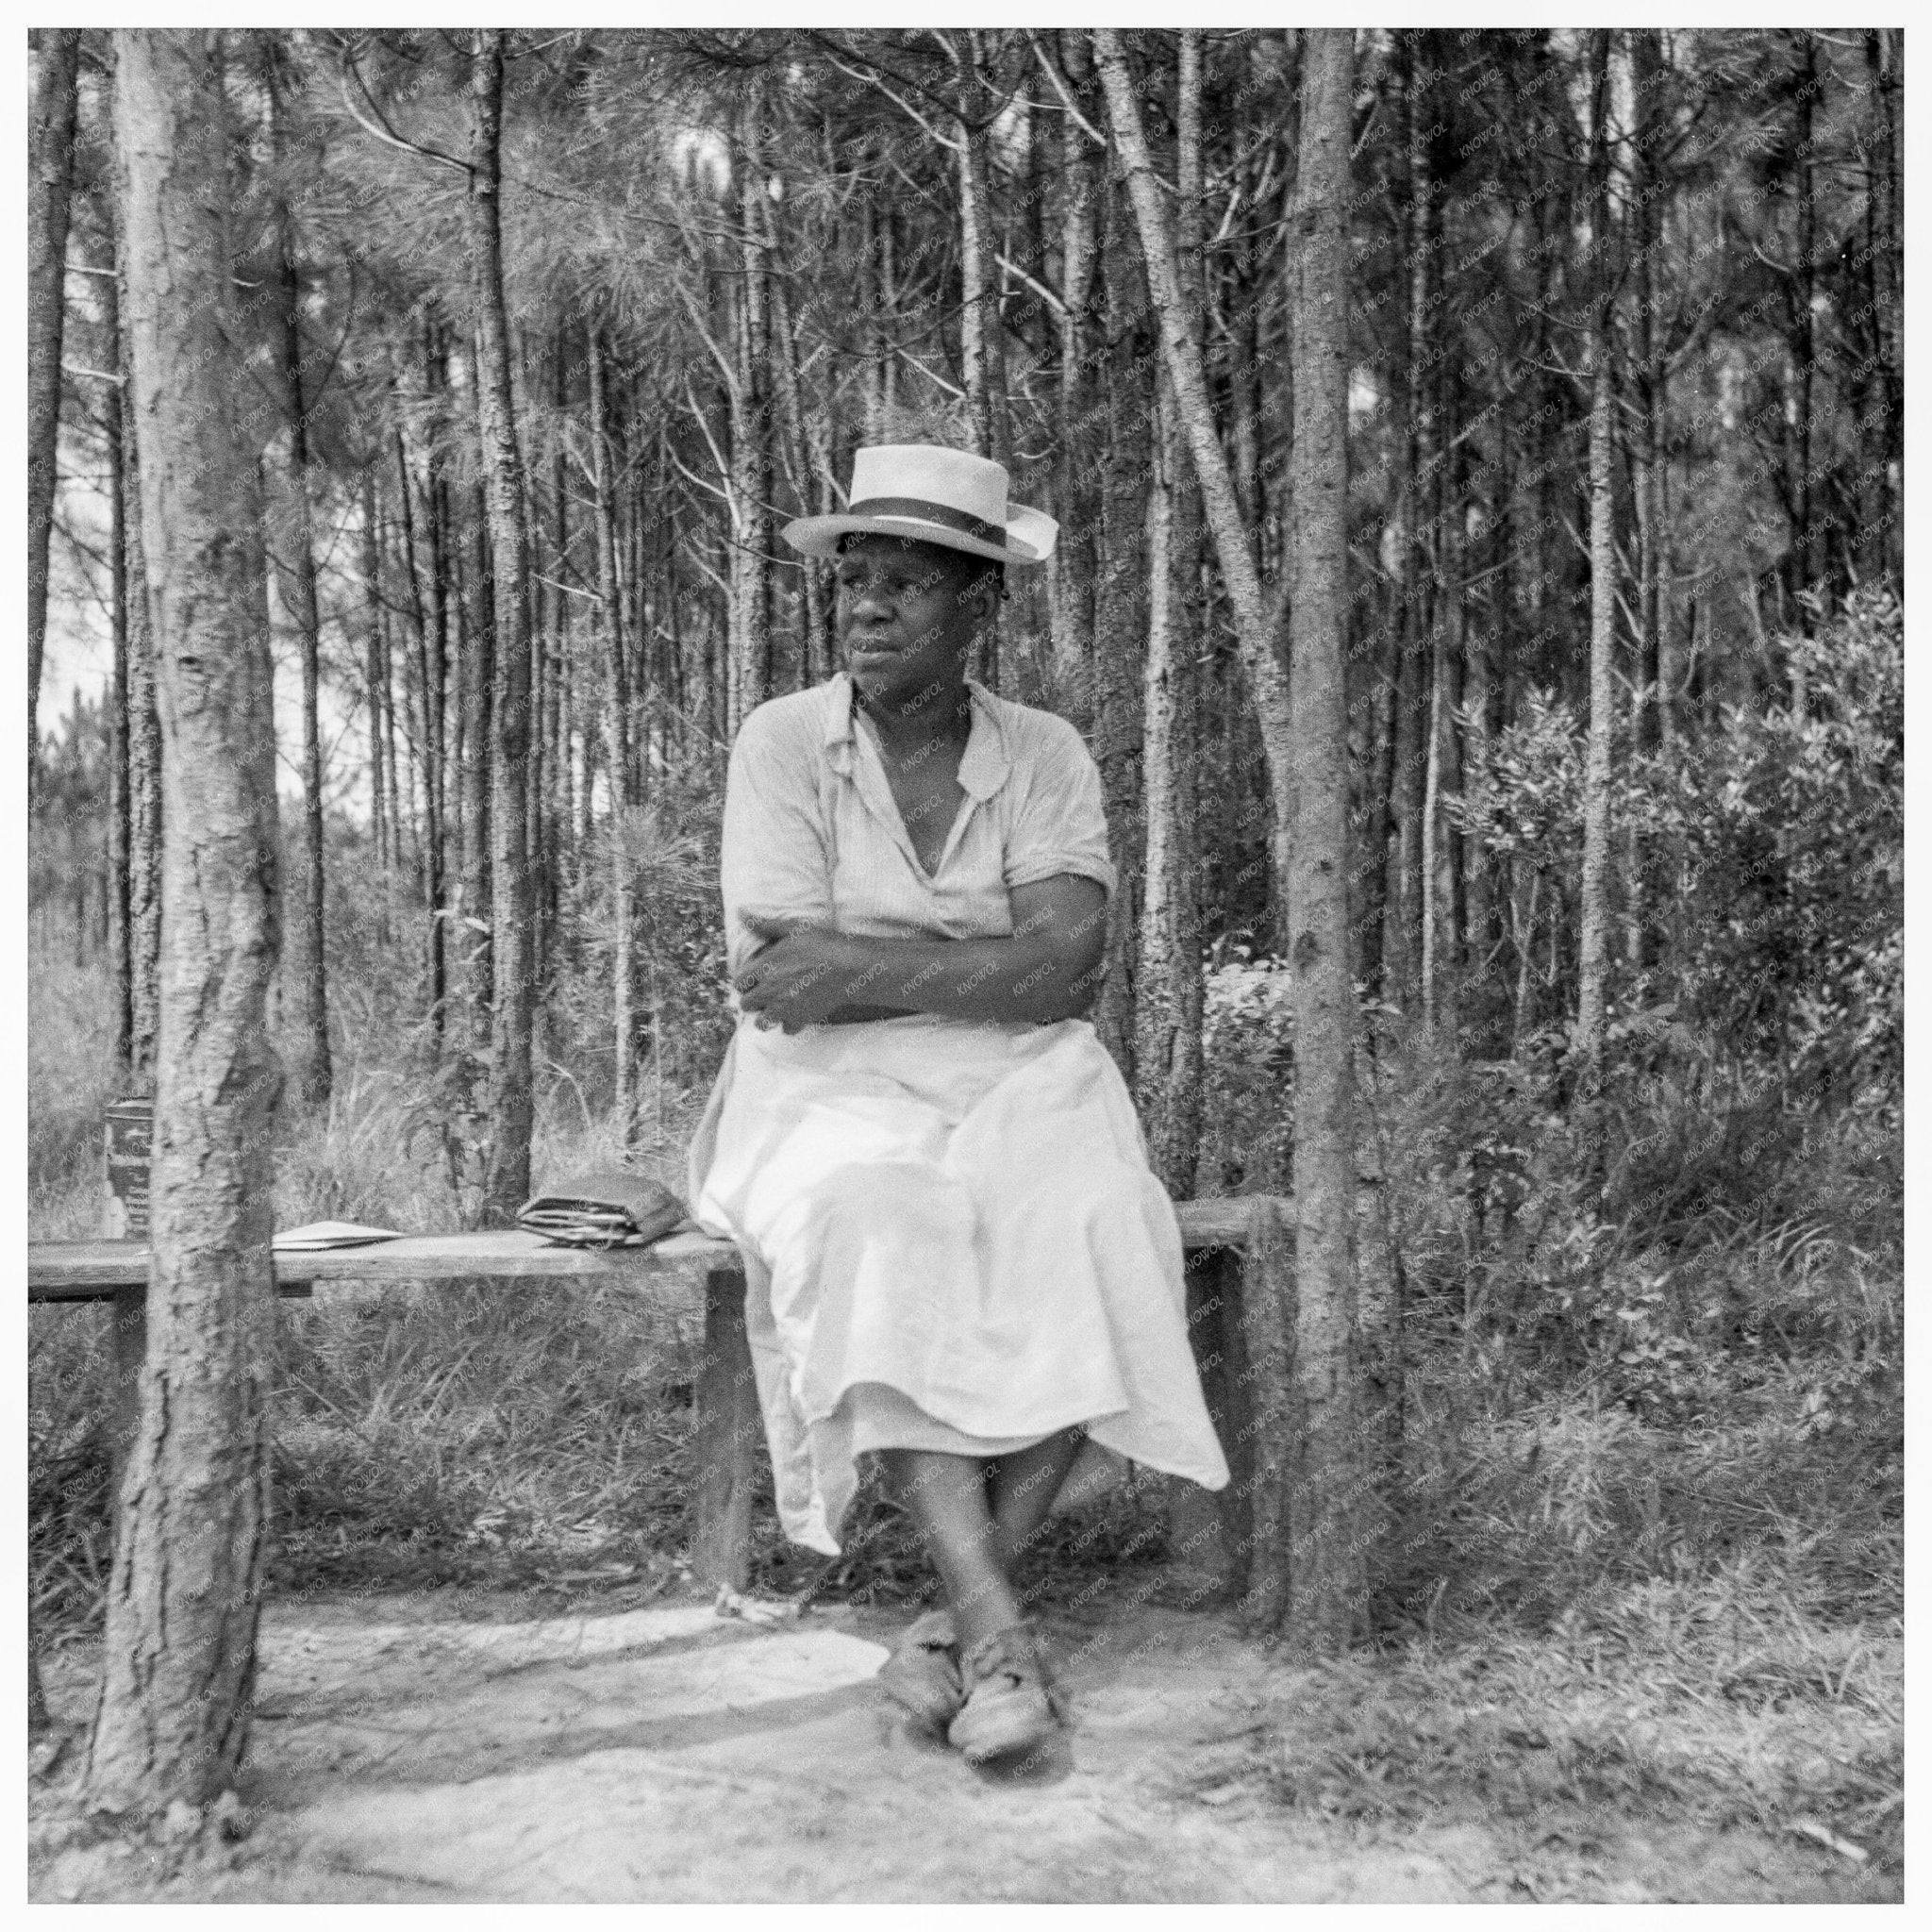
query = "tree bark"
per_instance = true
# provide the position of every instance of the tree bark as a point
(564, 860)
(618, 758)
(316, 1075)
(1430, 866)
(1168, 991)
(50, 159)
(1445, 917)
(807, 457)
(982, 337)
(184, 1598)
(1415, 686)
(1880, 554)
(1658, 670)
(1805, 566)
(1119, 622)
(1594, 938)
(120, 765)
(511, 1093)
(429, 628)
(1073, 561)
(1328, 1571)
(143, 726)
(1479, 696)
(475, 684)
(751, 453)
(374, 675)
(534, 774)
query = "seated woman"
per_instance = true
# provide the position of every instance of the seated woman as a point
(957, 1256)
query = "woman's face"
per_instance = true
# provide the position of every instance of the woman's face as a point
(908, 615)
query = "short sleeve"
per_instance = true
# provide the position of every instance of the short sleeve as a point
(774, 863)
(1060, 825)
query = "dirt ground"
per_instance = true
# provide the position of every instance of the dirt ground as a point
(668, 1753)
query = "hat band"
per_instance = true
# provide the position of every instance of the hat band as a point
(963, 520)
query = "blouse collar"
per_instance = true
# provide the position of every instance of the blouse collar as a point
(983, 766)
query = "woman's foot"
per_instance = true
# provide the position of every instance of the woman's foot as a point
(1011, 1703)
(923, 1672)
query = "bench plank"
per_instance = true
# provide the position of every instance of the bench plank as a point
(92, 1270)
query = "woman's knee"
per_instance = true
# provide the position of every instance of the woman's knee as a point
(924, 1203)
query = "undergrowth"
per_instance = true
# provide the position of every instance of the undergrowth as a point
(1642, 1545)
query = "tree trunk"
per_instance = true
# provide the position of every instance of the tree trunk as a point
(428, 627)
(1255, 624)
(119, 764)
(1414, 698)
(618, 757)
(1073, 561)
(50, 159)
(1120, 619)
(1593, 939)
(534, 853)
(1882, 448)
(375, 677)
(1168, 991)
(564, 860)
(1329, 1572)
(807, 457)
(316, 1077)
(750, 671)
(1447, 888)
(1659, 669)
(511, 1095)
(184, 1596)
(1431, 867)
(1805, 566)
(143, 725)
(1479, 695)
(475, 681)
(1167, 1008)
(881, 388)
(982, 339)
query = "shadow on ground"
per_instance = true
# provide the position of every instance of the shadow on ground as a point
(670, 1754)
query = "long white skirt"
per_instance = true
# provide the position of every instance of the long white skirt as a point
(951, 1234)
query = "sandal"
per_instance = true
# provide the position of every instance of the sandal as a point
(923, 1672)
(1011, 1703)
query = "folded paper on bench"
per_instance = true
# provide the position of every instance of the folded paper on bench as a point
(319, 1236)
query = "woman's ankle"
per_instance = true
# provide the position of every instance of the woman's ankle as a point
(981, 1614)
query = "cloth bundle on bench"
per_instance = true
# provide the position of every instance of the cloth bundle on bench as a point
(609, 1208)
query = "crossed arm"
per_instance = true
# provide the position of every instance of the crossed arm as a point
(1049, 969)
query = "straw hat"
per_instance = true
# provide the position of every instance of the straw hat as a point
(933, 496)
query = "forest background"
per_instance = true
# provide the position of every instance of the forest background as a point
(1626, 730)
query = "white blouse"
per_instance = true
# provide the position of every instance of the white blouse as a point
(813, 834)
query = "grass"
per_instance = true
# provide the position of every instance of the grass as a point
(1671, 1706)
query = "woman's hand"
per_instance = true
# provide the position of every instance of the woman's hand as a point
(802, 976)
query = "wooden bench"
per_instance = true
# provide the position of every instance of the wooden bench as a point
(1218, 1236)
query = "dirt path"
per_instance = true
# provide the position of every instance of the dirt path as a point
(669, 1754)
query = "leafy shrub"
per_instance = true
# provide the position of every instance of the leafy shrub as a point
(1776, 854)
(1247, 1042)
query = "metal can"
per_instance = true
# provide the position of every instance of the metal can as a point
(130, 1136)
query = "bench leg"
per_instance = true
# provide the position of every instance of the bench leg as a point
(124, 1416)
(730, 1427)
(1207, 1531)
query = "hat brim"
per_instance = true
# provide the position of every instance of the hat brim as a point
(1030, 535)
